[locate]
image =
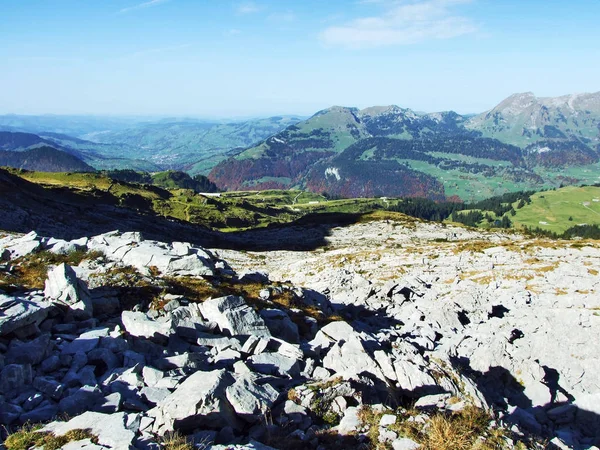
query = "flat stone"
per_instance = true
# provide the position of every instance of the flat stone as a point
(404, 444)
(387, 420)
(234, 316)
(154, 395)
(32, 352)
(412, 379)
(82, 400)
(85, 444)
(49, 386)
(350, 423)
(280, 325)
(350, 358)
(199, 401)
(109, 404)
(18, 313)
(109, 429)
(42, 414)
(187, 361)
(274, 364)
(14, 377)
(140, 325)
(152, 376)
(250, 400)
(86, 342)
(191, 265)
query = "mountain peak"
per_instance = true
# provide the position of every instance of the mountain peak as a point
(516, 103)
(336, 109)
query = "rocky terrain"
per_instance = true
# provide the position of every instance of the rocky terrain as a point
(392, 334)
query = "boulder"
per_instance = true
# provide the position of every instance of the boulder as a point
(234, 316)
(275, 364)
(63, 286)
(18, 313)
(414, 380)
(44, 413)
(191, 265)
(9, 413)
(32, 352)
(280, 325)
(350, 423)
(250, 400)
(14, 377)
(13, 248)
(49, 386)
(200, 401)
(350, 358)
(61, 247)
(140, 325)
(86, 342)
(80, 401)
(50, 364)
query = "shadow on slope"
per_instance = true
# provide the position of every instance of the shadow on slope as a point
(62, 213)
(577, 427)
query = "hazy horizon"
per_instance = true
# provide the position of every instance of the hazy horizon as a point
(217, 60)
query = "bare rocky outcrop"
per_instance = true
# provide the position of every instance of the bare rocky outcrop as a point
(439, 319)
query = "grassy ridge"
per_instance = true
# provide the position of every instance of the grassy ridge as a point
(561, 209)
(233, 211)
(554, 210)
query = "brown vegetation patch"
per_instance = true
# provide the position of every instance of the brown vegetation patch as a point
(31, 271)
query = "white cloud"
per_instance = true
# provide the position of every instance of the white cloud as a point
(142, 5)
(402, 23)
(233, 32)
(247, 8)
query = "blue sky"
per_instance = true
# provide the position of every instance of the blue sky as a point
(222, 58)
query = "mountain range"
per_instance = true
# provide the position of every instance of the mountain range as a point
(524, 143)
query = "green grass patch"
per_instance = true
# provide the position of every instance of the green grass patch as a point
(560, 209)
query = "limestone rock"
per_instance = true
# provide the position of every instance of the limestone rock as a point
(275, 364)
(140, 325)
(280, 325)
(32, 352)
(199, 401)
(250, 400)
(234, 316)
(110, 429)
(18, 313)
(350, 358)
(62, 286)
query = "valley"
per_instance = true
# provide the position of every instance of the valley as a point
(525, 143)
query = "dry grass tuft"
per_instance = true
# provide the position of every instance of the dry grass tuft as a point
(30, 436)
(31, 271)
(176, 441)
